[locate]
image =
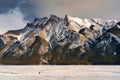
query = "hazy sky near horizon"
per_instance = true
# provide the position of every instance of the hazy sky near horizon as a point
(14, 14)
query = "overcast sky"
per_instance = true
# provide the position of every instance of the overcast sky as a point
(14, 14)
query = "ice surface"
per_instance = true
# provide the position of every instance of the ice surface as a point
(60, 72)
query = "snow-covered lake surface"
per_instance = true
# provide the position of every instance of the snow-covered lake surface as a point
(71, 72)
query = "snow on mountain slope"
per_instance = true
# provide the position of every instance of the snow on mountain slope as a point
(49, 33)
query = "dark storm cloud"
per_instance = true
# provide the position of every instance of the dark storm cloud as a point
(6, 5)
(27, 9)
(25, 6)
(105, 9)
(108, 9)
(15, 13)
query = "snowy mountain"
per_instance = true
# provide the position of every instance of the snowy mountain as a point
(68, 40)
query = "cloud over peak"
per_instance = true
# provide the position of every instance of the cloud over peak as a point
(14, 19)
(18, 12)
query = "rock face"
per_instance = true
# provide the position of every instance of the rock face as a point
(68, 40)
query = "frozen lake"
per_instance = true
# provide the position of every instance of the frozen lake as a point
(70, 72)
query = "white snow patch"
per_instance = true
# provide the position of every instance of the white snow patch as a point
(19, 37)
(81, 22)
(118, 26)
(115, 53)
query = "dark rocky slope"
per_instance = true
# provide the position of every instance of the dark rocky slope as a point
(56, 40)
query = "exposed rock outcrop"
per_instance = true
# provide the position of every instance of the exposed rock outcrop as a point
(56, 40)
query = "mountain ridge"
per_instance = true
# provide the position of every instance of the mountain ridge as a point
(68, 40)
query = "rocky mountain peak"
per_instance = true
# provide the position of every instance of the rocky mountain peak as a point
(45, 38)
